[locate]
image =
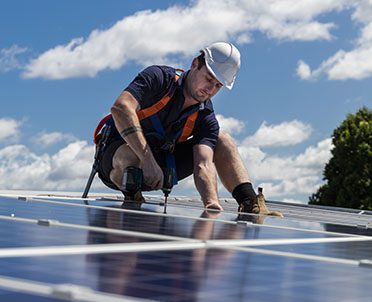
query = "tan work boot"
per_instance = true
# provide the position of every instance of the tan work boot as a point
(249, 207)
(261, 204)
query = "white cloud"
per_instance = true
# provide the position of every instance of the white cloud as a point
(355, 64)
(303, 70)
(8, 58)
(199, 23)
(363, 11)
(287, 175)
(230, 125)
(68, 169)
(292, 187)
(284, 134)
(48, 139)
(315, 156)
(352, 64)
(281, 177)
(9, 129)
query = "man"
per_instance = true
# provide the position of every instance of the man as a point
(164, 120)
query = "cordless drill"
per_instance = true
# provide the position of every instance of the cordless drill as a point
(167, 185)
(132, 184)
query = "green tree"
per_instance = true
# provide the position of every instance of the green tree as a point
(348, 173)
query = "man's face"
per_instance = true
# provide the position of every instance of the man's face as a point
(202, 84)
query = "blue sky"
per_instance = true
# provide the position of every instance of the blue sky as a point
(305, 65)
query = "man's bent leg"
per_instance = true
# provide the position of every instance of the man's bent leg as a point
(233, 174)
(123, 158)
(229, 164)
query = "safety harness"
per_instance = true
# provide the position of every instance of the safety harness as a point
(151, 113)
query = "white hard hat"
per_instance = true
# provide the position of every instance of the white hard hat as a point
(223, 61)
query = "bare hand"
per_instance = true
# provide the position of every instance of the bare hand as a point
(211, 214)
(152, 174)
(213, 205)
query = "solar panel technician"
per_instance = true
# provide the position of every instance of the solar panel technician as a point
(164, 124)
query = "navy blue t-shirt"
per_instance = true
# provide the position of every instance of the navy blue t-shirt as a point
(150, 85)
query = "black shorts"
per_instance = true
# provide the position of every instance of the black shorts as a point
(183, 155)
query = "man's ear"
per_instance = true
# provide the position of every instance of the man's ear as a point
(194, 63)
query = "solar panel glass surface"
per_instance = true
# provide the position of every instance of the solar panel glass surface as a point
(187, 254)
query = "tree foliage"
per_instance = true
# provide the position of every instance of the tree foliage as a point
(348, 173)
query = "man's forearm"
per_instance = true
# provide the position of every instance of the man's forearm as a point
(206, 183)
(128, 125)
(124, 113)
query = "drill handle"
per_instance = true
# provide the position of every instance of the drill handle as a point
(168, 181)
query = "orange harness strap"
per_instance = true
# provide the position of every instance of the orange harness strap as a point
(144, 113)
(189, 126)
(99, 128)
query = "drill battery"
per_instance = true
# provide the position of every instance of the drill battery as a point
(132, 183)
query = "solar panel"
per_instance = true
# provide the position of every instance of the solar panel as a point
(58, 247)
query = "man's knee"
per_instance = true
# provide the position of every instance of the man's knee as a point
(123, 158)
(225, 142)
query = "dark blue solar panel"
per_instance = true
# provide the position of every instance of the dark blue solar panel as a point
(206, 275)
(225, 273)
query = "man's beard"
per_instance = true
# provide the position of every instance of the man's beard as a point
(193, 94)
(196, 97)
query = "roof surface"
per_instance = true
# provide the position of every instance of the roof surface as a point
(59, 247)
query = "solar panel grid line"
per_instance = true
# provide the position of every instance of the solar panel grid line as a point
(149, 198)
(323, 211)
(352, 219)
(349, 250)
(290, 210)
(67, 292)
(308, 213)
(223, 266)
(365, 263)
(160, 246)
(313, 208)
(297, 255)
(19, 219)
(180, 199)
(285, 241)
(180, 216)
(335, 215)
(56, 223)
(206, 219)
(337, 220)
(129, 210)
(306, 230)
(100, 248)
(333, 209)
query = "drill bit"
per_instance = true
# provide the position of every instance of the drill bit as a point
(167, 187)
(165, 203)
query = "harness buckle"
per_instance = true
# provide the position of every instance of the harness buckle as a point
(168, 146)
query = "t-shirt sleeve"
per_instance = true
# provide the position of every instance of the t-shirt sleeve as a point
(148, 85)
(206, 131)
